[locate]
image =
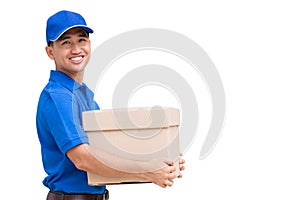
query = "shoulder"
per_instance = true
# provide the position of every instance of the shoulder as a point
(54, 95)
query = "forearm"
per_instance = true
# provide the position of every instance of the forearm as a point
(85, 160)
(105, 164)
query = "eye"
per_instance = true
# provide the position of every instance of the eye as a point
(66, 42)
(82, 40)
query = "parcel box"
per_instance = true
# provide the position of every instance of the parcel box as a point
(145, 135)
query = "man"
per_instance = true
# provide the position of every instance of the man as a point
(65, 155)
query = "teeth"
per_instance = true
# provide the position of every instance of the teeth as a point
(77, 58)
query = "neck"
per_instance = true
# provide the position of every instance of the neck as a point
(78, 76)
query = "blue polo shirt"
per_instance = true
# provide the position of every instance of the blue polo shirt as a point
(58, 122)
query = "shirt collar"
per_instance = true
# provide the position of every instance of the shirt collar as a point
(65, 80)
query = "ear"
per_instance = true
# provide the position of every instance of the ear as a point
(49, 51)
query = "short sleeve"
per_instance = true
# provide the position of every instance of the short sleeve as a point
(62, 117)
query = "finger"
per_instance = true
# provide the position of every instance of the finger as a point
(172, 169)
(180, 175)
(170, 163)
(181, 161)
(181, 167)
(171, 180)
(169, 183)
(172, 176)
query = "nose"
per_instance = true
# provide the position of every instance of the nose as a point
(75, 48)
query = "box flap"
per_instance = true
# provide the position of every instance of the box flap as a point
(130, 118)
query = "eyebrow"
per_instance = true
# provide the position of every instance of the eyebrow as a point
(67, 36)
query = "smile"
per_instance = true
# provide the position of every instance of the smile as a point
(77, 59)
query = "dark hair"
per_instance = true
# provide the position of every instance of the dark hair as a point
(50, 43)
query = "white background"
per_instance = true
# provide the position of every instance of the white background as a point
(255, 46)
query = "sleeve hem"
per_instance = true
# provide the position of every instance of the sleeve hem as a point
(74, 143)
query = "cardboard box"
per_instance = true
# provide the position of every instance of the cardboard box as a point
(139, 134)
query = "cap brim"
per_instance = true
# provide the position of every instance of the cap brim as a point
(86, 28)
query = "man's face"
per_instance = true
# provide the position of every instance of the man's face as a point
(71, 52)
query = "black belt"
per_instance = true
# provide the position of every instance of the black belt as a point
(65, 196)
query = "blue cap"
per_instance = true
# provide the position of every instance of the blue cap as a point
(62, 21)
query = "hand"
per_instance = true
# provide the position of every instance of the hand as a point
(164, 176)
(181, 167)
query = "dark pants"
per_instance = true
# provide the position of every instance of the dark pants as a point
(65, 196)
